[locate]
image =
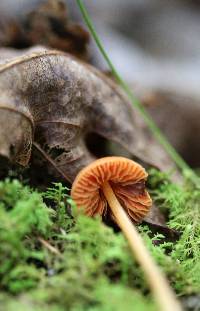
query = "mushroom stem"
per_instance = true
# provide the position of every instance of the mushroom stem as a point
(163, 294)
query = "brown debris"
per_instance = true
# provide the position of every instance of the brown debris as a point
(178, 118)
(49, 26)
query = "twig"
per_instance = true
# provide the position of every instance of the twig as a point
(49, 246)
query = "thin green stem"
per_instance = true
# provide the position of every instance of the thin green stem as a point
(182, 165)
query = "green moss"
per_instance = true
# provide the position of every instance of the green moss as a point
(182, 202)
(90, 267)
(93, 270)
(23, 216)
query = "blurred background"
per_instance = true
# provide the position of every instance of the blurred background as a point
(153, 43)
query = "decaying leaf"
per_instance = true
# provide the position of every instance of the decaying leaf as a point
(157, 223)
(54, 100)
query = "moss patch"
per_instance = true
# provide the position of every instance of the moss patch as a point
(85, 265)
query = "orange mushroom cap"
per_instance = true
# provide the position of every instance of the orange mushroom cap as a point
(127, 179)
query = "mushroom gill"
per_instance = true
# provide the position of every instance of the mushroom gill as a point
(127, 179)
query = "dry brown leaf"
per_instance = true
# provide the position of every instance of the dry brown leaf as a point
(54, 100)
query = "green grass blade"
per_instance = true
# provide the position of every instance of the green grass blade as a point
(182, 165)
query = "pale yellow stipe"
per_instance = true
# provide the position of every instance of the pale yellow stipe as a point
(162, 292)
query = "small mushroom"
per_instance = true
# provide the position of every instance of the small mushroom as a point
(119, 183)
(127, 179)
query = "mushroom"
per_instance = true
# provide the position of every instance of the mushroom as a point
(127, 179)
(119, 183)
